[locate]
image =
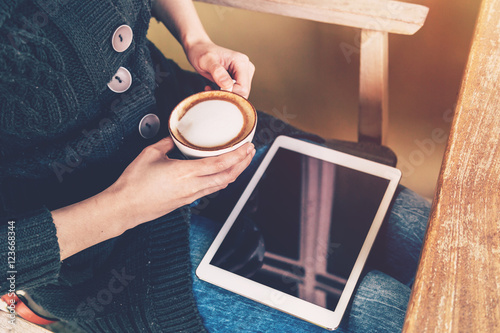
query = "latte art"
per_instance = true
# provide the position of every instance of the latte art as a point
(211, 123)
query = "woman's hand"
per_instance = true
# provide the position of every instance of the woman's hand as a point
(150, 187)
(221, 66)
(216, 63)
(154, 185)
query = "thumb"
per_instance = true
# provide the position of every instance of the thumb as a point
(164, 145)
(221, 77)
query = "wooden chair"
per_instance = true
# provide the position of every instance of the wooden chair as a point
(457, 287)
(376, 19)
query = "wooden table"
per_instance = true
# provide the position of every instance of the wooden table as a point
(457, 288)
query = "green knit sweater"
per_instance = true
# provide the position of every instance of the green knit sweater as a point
(64, 136)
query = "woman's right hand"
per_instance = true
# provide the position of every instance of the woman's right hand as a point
(154, 185)
(150, 187)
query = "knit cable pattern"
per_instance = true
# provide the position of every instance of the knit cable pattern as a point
(36, 97)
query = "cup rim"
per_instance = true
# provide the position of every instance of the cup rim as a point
(217, 93)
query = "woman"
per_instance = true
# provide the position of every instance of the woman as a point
(97, 209)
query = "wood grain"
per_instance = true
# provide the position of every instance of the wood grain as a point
(457, 288)
(373, 87)
(381, 15)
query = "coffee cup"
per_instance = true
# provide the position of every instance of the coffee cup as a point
(211, 123)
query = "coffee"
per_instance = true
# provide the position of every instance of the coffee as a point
(212, 121)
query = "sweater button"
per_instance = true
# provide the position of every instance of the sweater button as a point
(122, 38)
(121, 81)
(149, 126)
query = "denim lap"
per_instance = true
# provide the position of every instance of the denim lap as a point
(397, 248)
(379, 303)
(380, 300)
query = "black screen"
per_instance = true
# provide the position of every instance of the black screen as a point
(303, 227)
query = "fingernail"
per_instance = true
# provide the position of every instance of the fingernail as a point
(230, 88)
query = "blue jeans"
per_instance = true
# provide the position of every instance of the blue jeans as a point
(380, 300)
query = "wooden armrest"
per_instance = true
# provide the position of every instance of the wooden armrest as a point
(390, 16)
(457, 288)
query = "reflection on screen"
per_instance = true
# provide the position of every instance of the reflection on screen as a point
(303, 227)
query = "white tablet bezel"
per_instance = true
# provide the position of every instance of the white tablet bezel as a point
(274, 298)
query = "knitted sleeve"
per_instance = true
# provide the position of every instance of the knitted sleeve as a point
(6, 9)
(29, 251)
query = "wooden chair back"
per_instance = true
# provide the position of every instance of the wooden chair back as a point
(376, 19)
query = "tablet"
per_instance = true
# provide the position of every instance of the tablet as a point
(300, 234)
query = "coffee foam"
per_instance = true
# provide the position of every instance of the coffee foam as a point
(235, 101)
(211, 123)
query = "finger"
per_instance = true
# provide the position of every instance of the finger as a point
(208, 88)
(217, 182)
(158, 150)
(228, 176)
(244, 71)
(221, 77)
(164, 145)
(217, 164)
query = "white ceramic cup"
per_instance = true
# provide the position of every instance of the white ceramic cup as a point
(211, 123)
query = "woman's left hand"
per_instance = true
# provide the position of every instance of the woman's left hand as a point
(221, 66)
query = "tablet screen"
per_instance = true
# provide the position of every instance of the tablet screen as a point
(303, 227)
